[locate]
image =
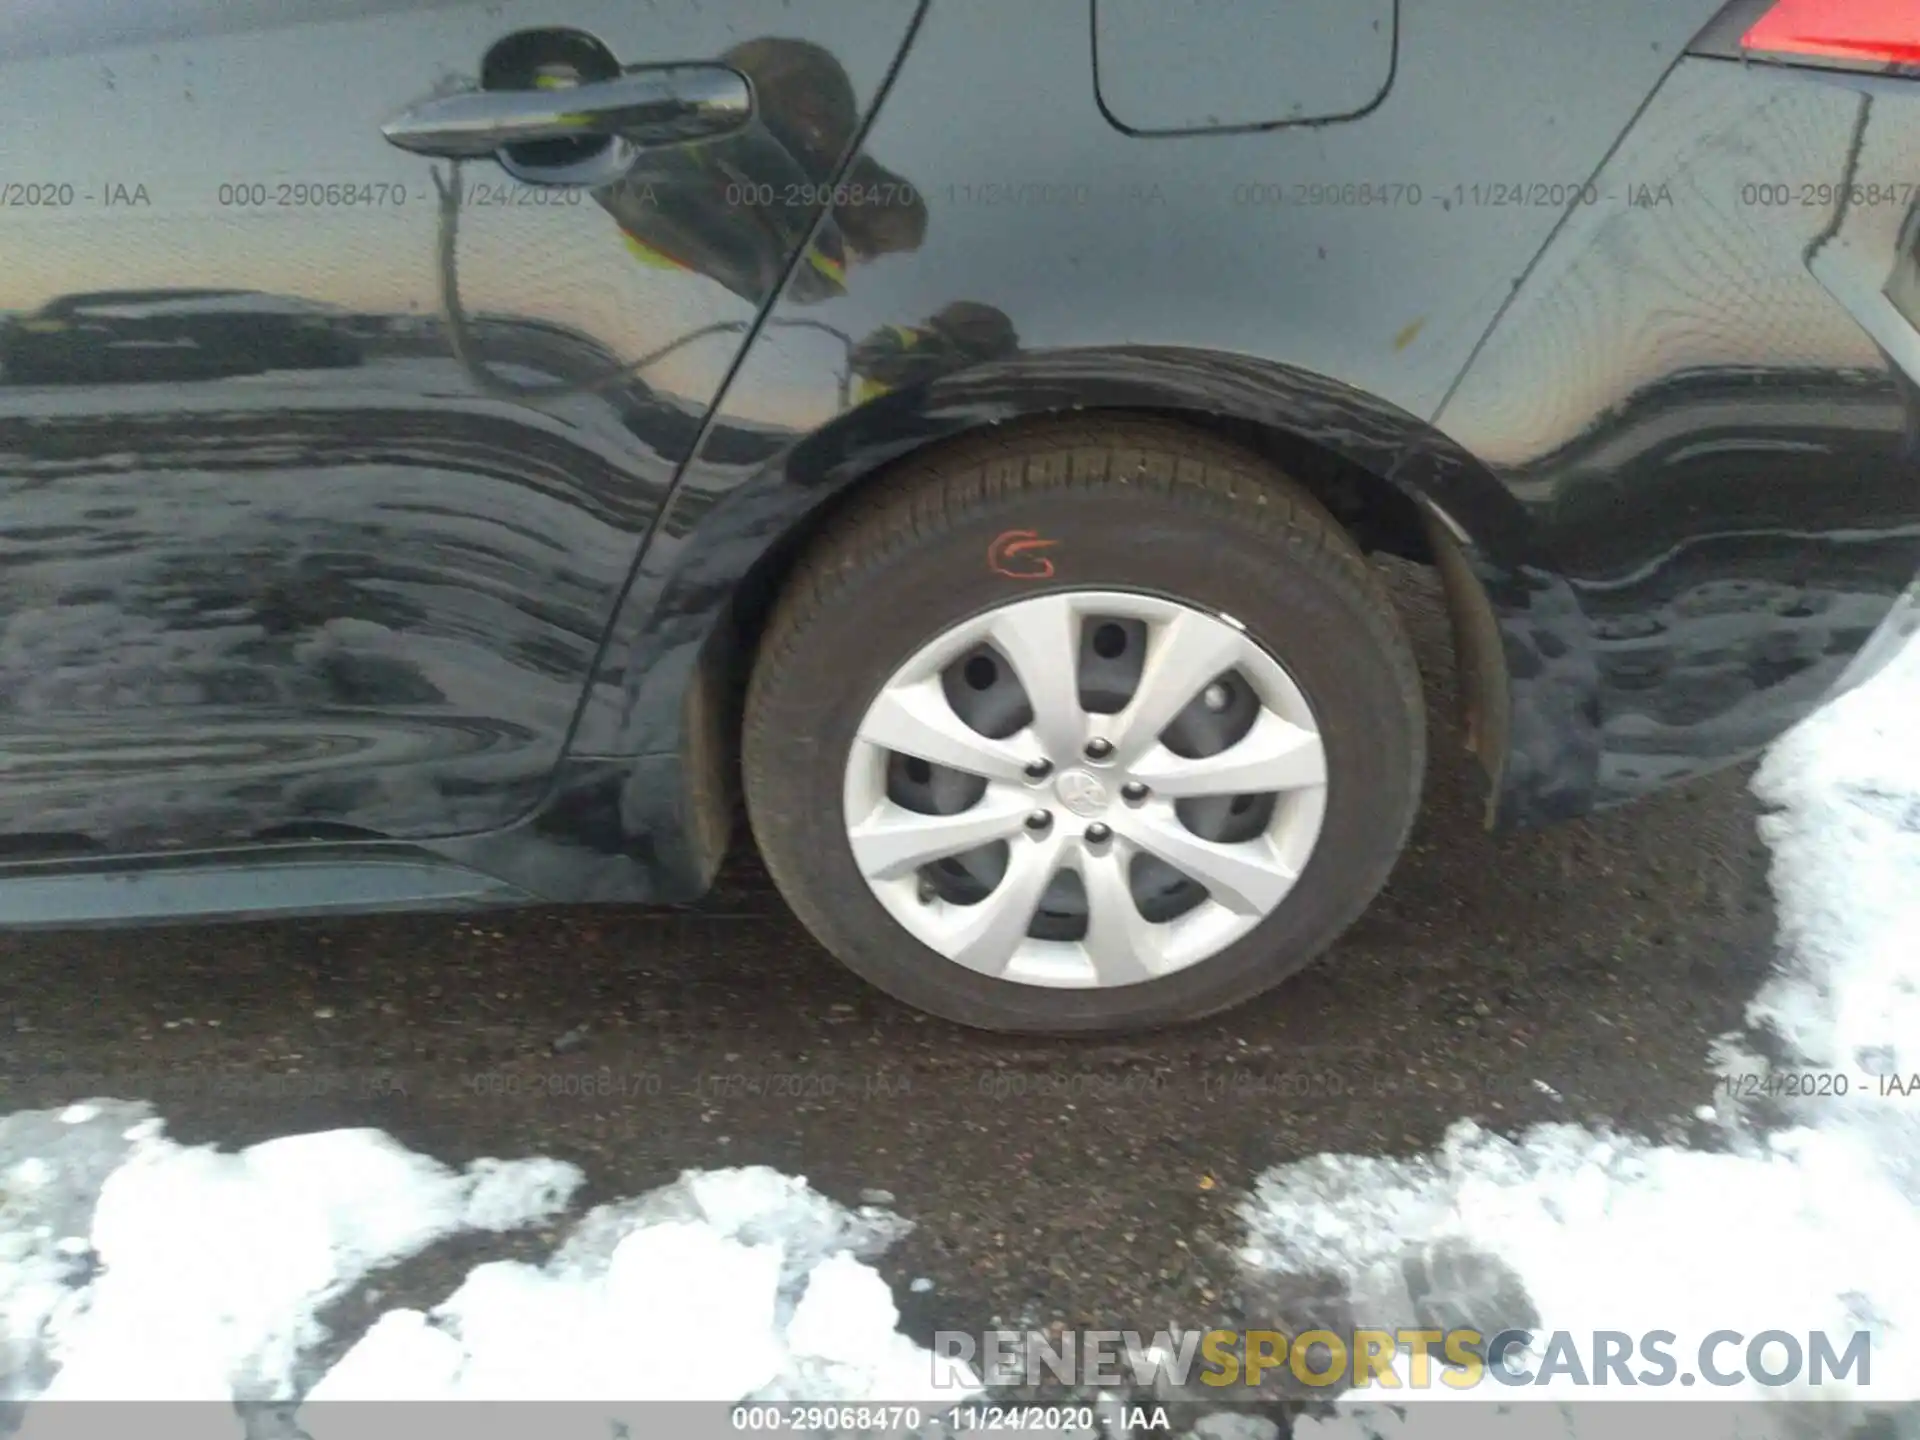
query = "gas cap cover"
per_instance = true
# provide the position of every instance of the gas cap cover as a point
(1165, 68)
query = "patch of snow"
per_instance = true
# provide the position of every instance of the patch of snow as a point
(42, 1274)
(135, 1268)
(1845, 838)
(643, 1324)
(630, 1307)
(1815, 1227)
(207, 1269)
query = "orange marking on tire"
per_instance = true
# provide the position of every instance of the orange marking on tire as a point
(1016, 554)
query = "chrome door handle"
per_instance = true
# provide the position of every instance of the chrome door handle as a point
(648, 106)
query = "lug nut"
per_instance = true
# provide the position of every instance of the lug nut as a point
(1098, 834)
(1215, 697)
(1133, 792)
(1039, 770)
(1099, 749)
(1039, 820)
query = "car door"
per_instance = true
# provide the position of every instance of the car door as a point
(327, 441)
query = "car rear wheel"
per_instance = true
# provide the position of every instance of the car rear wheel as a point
(1092, 726)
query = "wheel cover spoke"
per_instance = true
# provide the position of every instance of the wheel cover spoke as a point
(917, 720)
(994, 929)
(1274, 755)
(1247, 878)
(1183, 656)
(1041, 640)
(896, 841)
(1123, 946)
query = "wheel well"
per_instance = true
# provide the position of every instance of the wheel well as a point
(1378, 516)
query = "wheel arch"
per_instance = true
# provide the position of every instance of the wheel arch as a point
(1395, 482)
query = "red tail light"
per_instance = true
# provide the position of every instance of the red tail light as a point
(1886, 31)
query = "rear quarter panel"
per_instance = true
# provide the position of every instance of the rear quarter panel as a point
(1336, 277)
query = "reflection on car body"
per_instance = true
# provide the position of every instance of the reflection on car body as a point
(149, 336)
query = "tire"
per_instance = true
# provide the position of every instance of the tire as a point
(1123, 505)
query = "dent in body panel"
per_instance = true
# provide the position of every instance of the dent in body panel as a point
(1716, 454)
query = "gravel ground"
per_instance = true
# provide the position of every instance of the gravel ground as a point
(1577, 973)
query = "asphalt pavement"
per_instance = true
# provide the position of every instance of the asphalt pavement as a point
(1578, 973)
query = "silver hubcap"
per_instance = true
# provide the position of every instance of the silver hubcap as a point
(1085, 788)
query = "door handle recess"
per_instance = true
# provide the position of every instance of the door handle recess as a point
(648, 106)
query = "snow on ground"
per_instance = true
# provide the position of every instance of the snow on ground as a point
(135, 1268)
(1810, 1223)
(730, 1284)
(132, 1267)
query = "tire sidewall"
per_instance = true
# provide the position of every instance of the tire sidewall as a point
(1293, 596)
